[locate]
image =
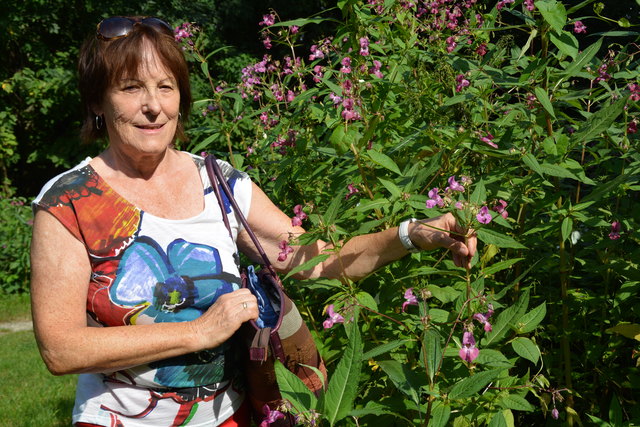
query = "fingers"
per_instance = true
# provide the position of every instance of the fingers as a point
(444, 231)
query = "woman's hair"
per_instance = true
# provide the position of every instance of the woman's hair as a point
(103, 62)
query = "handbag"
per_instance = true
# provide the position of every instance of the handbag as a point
(279, 333)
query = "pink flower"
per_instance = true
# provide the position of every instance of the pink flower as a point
(503, 3)
(484, 318)
(333, 318)
(299, 216)
(615, 230)
(352, 190)
(451, 43)
(579, 27)
(285, 250)
(375, 70)
(270, 416)
(294, 29)
(484, 217)
(501, 208)
(454, 185)
(633, 127)
(410, 299)
(635, 91)
(462, 82)
(482, 49)
(488, 139)
(267, 20)
(468, 352)
(346, 65)
(434, 198)
(267, 43)
(555, 413)
(529, 5)
(364, 46)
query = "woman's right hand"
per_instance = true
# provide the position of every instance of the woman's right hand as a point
(225, 317)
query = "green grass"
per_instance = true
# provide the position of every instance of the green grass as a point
(14, 307)
(29, 395)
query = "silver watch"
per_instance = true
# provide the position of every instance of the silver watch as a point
(403, 235)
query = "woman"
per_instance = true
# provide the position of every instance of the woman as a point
(134, 283)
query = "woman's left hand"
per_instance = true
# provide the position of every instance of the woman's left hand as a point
(445, 232)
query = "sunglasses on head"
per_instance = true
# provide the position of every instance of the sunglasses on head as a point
(119, 26)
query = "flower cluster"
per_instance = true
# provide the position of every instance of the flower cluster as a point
(299, 216)
(285, 250)
(184, 33)
(615, 230)
(333, 318)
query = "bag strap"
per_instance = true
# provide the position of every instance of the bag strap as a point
(216, 177)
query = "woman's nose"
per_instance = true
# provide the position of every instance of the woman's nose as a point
(150, 103)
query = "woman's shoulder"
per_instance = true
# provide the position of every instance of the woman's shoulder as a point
(68, 181)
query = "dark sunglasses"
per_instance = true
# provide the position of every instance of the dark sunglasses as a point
(119, 26)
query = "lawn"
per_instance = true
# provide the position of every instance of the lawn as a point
(29, 394)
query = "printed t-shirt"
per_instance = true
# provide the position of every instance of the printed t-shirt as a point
(146, 269)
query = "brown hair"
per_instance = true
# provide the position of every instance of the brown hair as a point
(102, 63)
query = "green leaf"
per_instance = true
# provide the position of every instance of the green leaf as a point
(402, 377)
(530, 160)
(365, 299)
(543, 98)
(384, 161)
(503, 419)
(307, 265)
(332, 211)
(566, 227)
(391, 187)
(493, 358)
(516, 402)
(615, 411)
(492, 237)
(433, 351)
(554, 13)
(479, 195)
(473, 384)
(582, 61)
(600, 121)
(440, 415)
(506, 319)
(531, 320)
(499, 266)
(526, 348)
(301, 22)
(566, 43)
(382, 349)
(343, 385)
(293, 389)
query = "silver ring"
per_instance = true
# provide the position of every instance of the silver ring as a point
(244, 305)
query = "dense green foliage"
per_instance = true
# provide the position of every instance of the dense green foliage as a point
(360, 116)
(539, 119)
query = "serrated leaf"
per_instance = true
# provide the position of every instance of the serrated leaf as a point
(554, 13)
(365, 299)
(307, 265)
(543, 98)
(566, 43)
(473, 384)
(503, 419)
(531, 161)
(600, 121)
(440, 415)
(479, 195)
(493, 358)
(405, 380)
(343, 385)
(526, 348)
(382, 349)
(492, 237)
(293, 389)
(433, 351)
(531, 320)
(391, 187)
(506, 319)
(384, 161)
(499, 266)
(516, 402)
(566, 228)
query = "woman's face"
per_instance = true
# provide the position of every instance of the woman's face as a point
(141, 112)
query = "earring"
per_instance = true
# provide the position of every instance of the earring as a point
(180, 116)
(99, 122)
